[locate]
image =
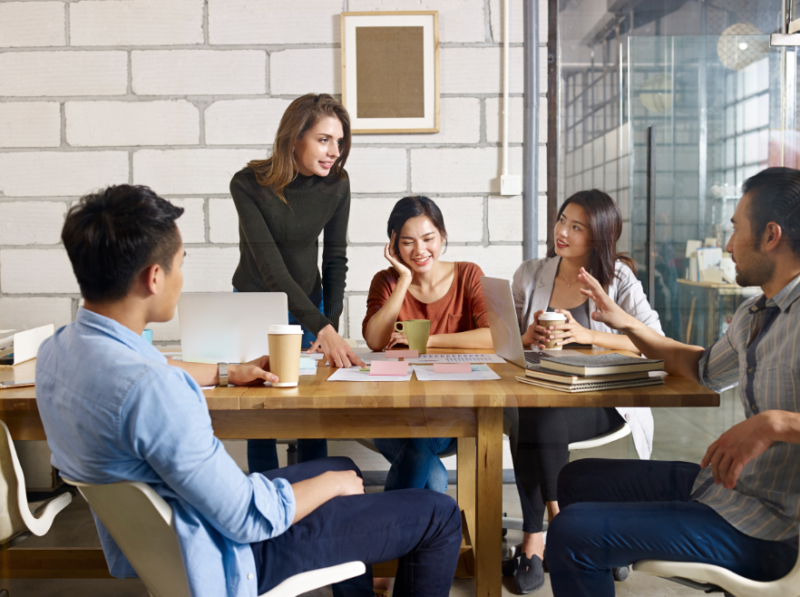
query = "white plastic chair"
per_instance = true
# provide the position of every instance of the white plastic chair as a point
(708, 578)
(16, 519)
(140, 521)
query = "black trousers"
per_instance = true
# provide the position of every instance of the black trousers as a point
(540, 451)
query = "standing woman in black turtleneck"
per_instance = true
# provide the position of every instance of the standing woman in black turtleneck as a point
(284, 203)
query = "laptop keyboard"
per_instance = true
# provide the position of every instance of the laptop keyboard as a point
(533, 357)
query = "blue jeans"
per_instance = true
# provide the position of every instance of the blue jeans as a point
(616, 512)
(262, 454)
(415, 462)
(421, 528)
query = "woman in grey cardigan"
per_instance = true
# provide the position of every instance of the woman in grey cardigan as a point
(587, 229)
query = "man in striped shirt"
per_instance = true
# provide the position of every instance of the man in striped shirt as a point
(740, 507)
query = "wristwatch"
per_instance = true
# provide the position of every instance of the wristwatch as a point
(223, 374)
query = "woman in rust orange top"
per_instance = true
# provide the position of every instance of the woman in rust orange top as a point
(419, 286)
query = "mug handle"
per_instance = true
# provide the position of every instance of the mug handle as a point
(398, 326)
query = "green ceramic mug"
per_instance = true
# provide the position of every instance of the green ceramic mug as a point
(417, 332)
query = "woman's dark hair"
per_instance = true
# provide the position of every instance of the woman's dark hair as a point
(280, 168)
(605, 228)
(411, 207)
(111, 236)
(775, 197)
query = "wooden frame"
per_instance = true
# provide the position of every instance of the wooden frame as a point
(374, 115)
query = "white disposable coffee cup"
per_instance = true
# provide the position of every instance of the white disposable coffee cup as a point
(285, 342)
(547, 319)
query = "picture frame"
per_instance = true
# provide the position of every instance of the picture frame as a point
(390, 71)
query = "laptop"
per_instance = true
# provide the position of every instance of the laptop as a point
(503, 323)
(229, 327)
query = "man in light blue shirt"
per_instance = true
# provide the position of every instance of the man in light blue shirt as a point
(115, 409)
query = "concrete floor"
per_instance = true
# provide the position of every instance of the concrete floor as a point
(681, 434)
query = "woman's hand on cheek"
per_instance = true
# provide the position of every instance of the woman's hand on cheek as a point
(392, 257)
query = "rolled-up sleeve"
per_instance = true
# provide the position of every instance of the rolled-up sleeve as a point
(169, 427)
(718, 368)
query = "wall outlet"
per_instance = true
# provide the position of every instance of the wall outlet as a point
(511, 184)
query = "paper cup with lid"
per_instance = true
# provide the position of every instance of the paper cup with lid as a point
(547, 319)
(285, 344)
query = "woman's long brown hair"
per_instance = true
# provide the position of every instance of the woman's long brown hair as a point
(605, 228)
(280, 168)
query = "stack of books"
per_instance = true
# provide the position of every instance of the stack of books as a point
(592, 373)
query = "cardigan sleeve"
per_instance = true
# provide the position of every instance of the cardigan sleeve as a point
(334, 260)
(630, 296)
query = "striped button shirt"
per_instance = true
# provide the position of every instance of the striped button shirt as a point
(760, 351)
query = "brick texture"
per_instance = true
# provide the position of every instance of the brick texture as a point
(27, 24)
(136, 22)
(31, 222)
(30, 271)
(295, 72)
(188, 171)
(63, 73)
(244, 122)
(30, 124)
(68, 173)
(459, 20)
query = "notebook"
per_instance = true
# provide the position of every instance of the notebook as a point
(593, 387)
(600, 364)
(537, 372)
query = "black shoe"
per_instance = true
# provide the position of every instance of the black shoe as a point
(529, 576)
(509, 567)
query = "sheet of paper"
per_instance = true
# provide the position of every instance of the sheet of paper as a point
(308, 366)
(456, 358)
(425, 373)
(402, 354)
(314, 355)
(369, 357)
(394, 368)
(26, 344)
(356, 374)
(452, 368)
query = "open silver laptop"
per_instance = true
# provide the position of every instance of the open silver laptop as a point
(229, 327)
(502, 315)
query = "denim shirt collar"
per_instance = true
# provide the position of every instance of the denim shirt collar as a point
(114, 329)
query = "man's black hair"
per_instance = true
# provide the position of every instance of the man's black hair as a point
(775, 197)
(111, 236)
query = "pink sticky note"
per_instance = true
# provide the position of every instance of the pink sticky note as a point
(452, 368)
(388, 368)
(402, 354)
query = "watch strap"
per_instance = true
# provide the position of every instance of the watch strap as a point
(222, 368)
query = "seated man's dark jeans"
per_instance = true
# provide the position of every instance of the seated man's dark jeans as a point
(617, 512)
(420, 527)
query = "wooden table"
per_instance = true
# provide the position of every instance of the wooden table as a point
(470, 411)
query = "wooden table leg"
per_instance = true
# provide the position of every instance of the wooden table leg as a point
(466, 479)
(489, 507)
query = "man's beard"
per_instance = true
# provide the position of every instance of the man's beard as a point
(758, 272)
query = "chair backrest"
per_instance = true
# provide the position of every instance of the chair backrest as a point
(12, 489)
(623, 430)
(140, 522)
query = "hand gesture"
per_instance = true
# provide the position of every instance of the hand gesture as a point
(394, 259)
(252, 373)
(736, 447)
(536, 335)
(397, 338)
(572, 331)
(608, 312)
(338, 353)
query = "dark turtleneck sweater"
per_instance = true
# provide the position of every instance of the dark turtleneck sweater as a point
(279, 246)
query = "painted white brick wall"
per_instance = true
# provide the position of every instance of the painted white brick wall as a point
(198, 72)
(54, 73)
(179, 96)
(374, 170)
(26, 24)
(295, 72)
(31, 222)
(189, 171)
(274, 21)
(30, 124)
(494, 120)
(244, 122)
(29, 271)
(59, 174)
(136, 22)
(31, 312)
(459, 20)
(223, 221)
(107, 123)
(192, 223)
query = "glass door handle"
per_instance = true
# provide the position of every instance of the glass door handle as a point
(784, 40)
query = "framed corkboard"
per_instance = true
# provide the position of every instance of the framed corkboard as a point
(390, 71)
